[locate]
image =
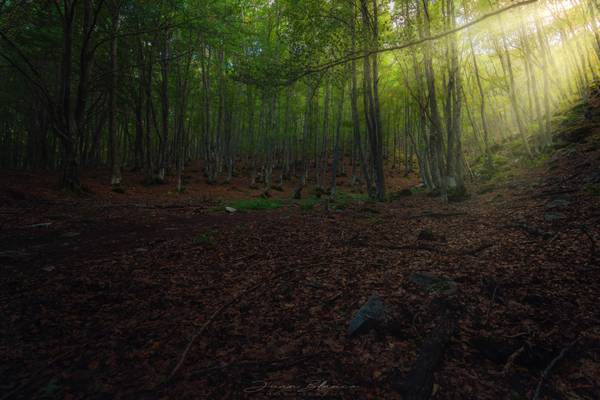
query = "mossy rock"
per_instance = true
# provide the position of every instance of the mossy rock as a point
(426, 234)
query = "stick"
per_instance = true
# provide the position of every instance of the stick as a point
(511, 360)
(34, 375)
(477, 249)
(550, 366)
(273, 365)
(358, 55)
(204, 326)
(418, 385)
(437, 215)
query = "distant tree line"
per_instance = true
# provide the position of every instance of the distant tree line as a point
(286, 89)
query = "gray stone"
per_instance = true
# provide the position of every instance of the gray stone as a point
(554, 216)
(368, 316)
(434, 284)
(558, 202)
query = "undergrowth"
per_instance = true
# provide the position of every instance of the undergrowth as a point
(256, 204)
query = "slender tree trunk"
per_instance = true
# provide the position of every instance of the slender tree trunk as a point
(336, 149)
(115, 179)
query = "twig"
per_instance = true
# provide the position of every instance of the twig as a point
(273, 365)
(437, 215)
(35, 374)
(487, 314)
(532, 230)
(477, 249)
(214, 315)
(592, 241)
(516, 335)
(511, 360)
(422, 246)
(554, 192)
(550, 366)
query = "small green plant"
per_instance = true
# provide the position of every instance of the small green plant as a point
(593, 189)
(344, 199)
(308, 203)
(256, 204)
(426, 234)
(206, 238)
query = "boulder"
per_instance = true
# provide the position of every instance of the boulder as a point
(371, 314)
(434, 284)
(558, 202)
(554, 216)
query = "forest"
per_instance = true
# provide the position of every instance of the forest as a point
(300, 198)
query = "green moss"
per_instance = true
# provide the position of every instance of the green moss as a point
(206, 238)
(256, 204)
(308, 203)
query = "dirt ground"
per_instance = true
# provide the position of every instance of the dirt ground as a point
(101, 293)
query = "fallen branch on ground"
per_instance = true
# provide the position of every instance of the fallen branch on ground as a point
(419, 382)
(587, 233)
(437, 215)
(532, 230)
(27, 381)
(550, 366)
(476, 249)
(423, 247)
(511, 360)
(273, 365)
(214, 315)
(428, 247)
(554, 193)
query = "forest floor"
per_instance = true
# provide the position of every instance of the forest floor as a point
(102, 293)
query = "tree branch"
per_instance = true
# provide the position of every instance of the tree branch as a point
(358, 55)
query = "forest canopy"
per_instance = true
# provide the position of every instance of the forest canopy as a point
(287, 89)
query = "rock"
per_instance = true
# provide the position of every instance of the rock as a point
(426, 234)
(558, 202)
(42, 225)
(554, 216)
(368, 316)
(593, 177)
(434, 284)
(230, 209)
(70, 234)
(314, 285)
(419, 382)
